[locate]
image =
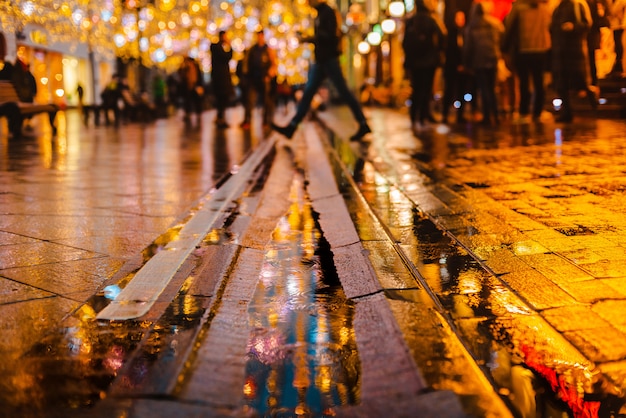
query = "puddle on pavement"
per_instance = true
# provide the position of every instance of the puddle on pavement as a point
(302, 357)
(513, 346)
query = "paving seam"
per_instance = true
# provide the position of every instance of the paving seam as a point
(374, 321)
(434, 212)
(142, 292)
(214, 372)
(446, 320)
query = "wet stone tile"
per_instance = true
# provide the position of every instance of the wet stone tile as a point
(12, 291)
(538, 290)
(606, 268)
(590, 291)
(7, 238)
(556, 268)
(119, 247)
(612, 311)
(392, 273)
(20, 255)
(599, 344)
(574, 318)
(41, 315)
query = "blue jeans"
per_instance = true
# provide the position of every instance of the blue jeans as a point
(319, 71)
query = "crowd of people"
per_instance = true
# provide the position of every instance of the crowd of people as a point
(495, 64)
(488, 64)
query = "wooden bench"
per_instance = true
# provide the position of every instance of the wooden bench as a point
(16, 111)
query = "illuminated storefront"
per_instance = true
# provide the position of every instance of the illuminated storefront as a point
(58, 66)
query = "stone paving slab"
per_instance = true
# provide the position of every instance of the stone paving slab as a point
(561, 195)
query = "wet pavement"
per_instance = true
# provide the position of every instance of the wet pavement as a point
(80, 211)
(519, 233)
(467, 267)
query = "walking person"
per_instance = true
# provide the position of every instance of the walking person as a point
(618, 23)
(259, 70)
(454, 76)
(221, 54)
(527, 42)
(480, 55)
(191, 86)
(327, 43)
(571, 21)
(594, 36)
(81, 93)
(423, 44)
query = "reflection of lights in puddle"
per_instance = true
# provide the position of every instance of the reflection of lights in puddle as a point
(380, 180)
(442, 129)
(112, 291)
(409, 179)
(469, 282)
(395, 196)
(527, 248)
(114, 359)
(293, 285)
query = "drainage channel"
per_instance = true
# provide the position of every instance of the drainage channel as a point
(530, 366)
(70, 370)
(301, 354)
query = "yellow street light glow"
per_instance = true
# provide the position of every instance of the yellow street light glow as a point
(374, 38)
(396, 9)
(388, 26)
(363, 47)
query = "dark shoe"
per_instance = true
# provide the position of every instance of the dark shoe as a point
(364, 129)
(286, 131)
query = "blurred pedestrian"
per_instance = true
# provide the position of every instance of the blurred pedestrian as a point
(480, 55)
(594, 37)
(192, 87)
(111, 98)
(454, 75)
(571, 21)
(527, 42)
(423, 44)
(259, 69)
(618, 23)
(159, 93)
(327, 43)
(23, 81)
(80, 92)
(221, 54)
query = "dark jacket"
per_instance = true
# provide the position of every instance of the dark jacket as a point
(482, 40)
(424, 41)
(220, 74)
(327, 37)
(454, 47)
(568, 51)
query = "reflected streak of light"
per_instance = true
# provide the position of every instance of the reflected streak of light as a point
(395, 196)
(469, 282)
(369, 173)
(558, 141)
(442, 129)
(380, 180)
(344, 336)
(323, 379)
(115, 358)
(249, 388)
